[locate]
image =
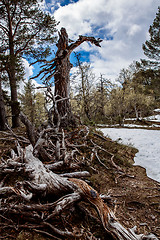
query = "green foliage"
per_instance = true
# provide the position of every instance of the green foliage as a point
(136, 96)
(25, 30)
(32, 104)
(151, 47)
(28, 28)
(150, 80)
(89, 95)
(106, 103)
(40, 112)
(27, 101)
(101, 96)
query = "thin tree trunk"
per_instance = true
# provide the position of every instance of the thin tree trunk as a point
(136, 112)
(102, 97)
(12, 75)
(14, 102)
(3, 120)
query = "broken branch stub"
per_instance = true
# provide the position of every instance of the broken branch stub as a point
(59, 70)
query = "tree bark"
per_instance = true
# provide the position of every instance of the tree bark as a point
(15, 107)
(62, 79)
(62, 74)
(3, 119)
(12, 74)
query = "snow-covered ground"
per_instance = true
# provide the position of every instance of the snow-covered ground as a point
(146, 141)
(155, 118)
(130, 126)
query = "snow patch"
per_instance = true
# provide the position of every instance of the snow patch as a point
(155, 118)
(146, 141)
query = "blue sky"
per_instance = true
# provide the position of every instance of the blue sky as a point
(122, 24)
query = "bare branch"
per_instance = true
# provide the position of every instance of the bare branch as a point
(76, 174)
(84, 39)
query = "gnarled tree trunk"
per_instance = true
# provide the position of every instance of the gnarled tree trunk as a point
(62, 78)
(62, 73)
(59, 68)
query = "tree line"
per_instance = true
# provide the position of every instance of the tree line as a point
(136, 95)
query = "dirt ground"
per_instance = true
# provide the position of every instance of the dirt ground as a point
(133, 196)
(136, 200)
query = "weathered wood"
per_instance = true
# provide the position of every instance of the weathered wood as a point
(62, 166)
(76, 174)
(30, 128)
(45, 181)
(6, 190)
(64, 188)
(59, 68)
(62, 72)
(109, 221)
(40, 175)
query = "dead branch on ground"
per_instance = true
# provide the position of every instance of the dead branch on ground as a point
(64, 188)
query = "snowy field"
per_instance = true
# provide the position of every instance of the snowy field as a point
(146, 141)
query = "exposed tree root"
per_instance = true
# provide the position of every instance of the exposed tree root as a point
(27, 199)
(46, 182)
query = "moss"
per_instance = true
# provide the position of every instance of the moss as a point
(27, 235)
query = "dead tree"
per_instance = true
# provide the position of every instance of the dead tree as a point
(59, 68)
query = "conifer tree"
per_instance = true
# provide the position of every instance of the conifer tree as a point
(24, 30)
(151, 47)
(27, 101)
(33, 104)
(40, 110)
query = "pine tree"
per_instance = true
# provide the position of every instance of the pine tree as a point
(151, 47)
(40, 111)
(25, 30)
(33, 104)
(28, 102)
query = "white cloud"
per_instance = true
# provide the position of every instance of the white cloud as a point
(28, 74)
(28, 69)
(134, 29)
(126, 21)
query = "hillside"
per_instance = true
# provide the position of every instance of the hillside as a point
(127, 190)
